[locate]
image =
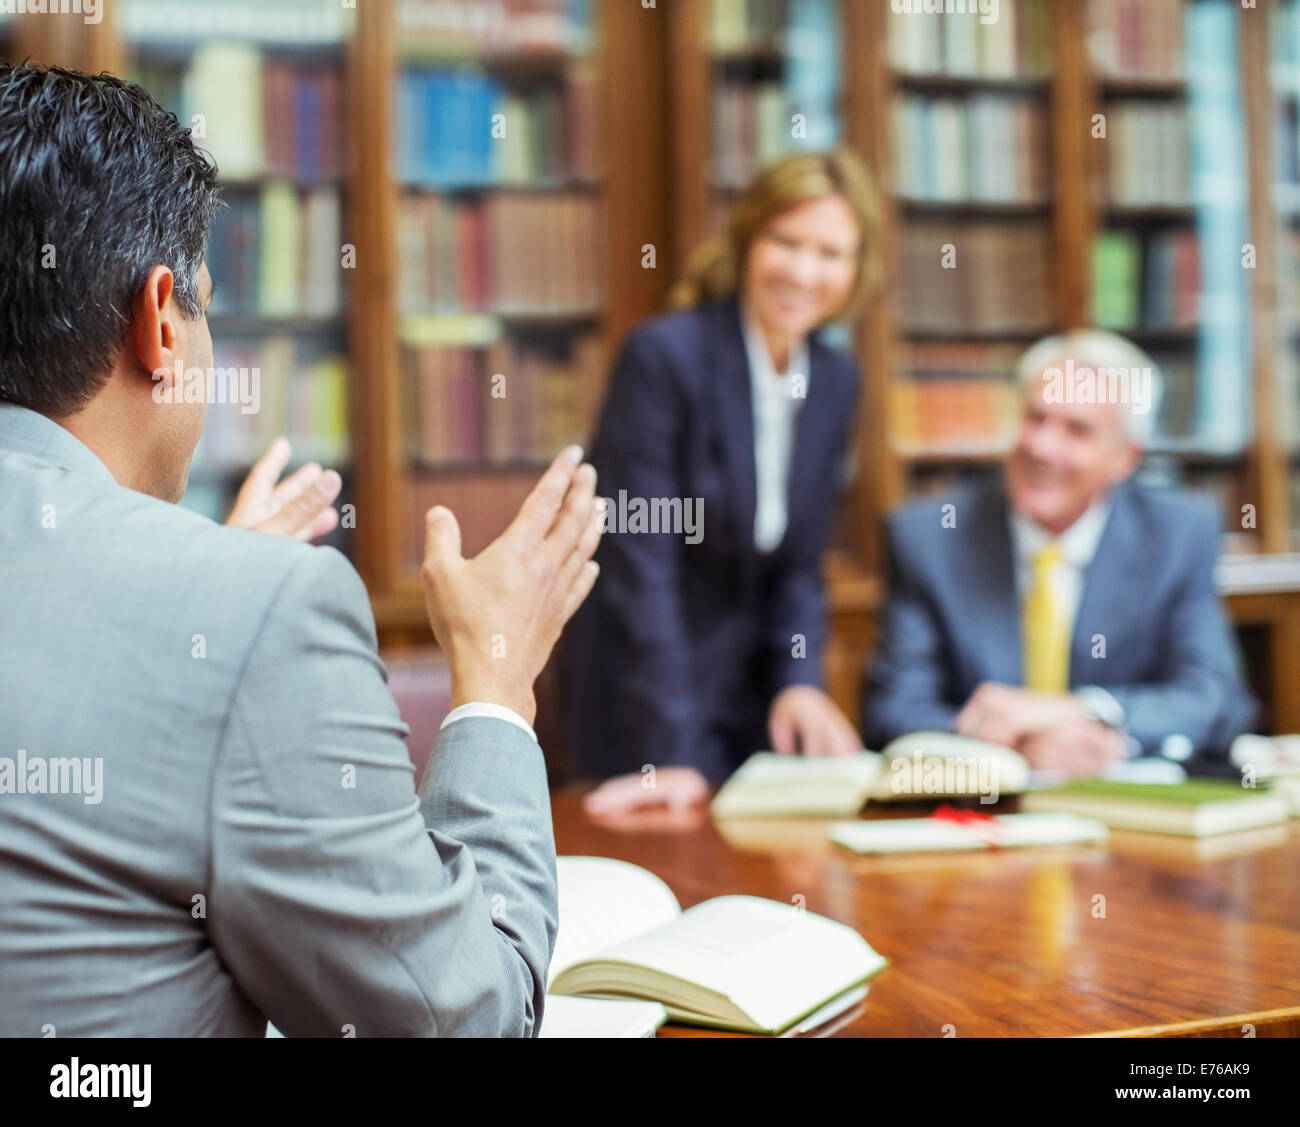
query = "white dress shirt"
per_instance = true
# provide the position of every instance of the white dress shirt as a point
(1078, 547)
(489, 711)
(777, 397)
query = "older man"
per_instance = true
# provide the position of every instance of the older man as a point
(1068, 612)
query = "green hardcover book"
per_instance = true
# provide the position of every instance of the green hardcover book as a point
(1115, 265)
(1196, 808)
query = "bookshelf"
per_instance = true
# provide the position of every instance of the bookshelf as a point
(938, 401)
(264, 86)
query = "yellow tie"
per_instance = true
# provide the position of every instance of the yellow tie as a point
(1046, 635)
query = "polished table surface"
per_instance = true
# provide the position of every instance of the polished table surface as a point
(1146, 934)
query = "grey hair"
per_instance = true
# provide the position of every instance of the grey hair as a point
(1112, 358)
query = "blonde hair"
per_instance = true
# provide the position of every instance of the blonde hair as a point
(716, 267)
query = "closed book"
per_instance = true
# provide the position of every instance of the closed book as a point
(1196, 808)
(956, 831)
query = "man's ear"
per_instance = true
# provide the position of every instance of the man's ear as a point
(151, 336)
(1128, 461)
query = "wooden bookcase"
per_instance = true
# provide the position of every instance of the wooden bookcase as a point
(656, 78)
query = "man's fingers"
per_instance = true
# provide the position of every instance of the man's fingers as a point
(302, 511)
(441, 536)
(324, 522)
(582, 552)
(537, 513)
(576, 513)
(267, 469)
(581, 588)
(301, 478)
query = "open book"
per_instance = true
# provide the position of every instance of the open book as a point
(919, 765)
(736, 962)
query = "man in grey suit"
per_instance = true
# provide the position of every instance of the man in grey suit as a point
(207, 812)
(1068, 612)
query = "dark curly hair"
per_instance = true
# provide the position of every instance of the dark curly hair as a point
(98, 185)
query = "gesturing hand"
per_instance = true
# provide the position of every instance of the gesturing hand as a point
(498, 615)
(300, 506)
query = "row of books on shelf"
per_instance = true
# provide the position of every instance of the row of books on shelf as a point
(464, 27)
(986, 147)
(960, 397)
(515, 402)
(1150, 281)
(923, 39)
(257, 115)
(1137, 38)
(285, 386)
(298, 22)
(277, 252)
(484, 504)
(1286, 156)
(457, 128)
(507, 252)
(1148, 160)
(974, 276)
(959, 415)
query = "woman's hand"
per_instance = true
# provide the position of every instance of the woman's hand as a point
(674, 787)
(804, 719)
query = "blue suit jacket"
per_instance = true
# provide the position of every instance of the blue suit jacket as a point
(952, 619)
(680, 647)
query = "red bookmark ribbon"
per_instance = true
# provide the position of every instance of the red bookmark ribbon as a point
(984, 825)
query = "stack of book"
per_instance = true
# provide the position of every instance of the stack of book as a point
(778, 82)
(975, 276)
(510, 252)
(1137, 38)
(1151, 281)
(257, 115)
(518, 402)
(475, 27)
(986, 147)
(287, 386)
(303, 22)
(457, 129)
(1148, 159)
(277, 252)
(1017, 42)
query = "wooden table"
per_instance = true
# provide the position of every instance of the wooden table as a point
(1189, 938)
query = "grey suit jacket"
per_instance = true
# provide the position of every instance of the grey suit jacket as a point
(258, 849)
(952, 619)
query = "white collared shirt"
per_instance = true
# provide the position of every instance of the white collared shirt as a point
(777, 397)
(1078, 548)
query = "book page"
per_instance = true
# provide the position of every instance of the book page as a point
(596, 1017)
(772, 960)
(603, 902)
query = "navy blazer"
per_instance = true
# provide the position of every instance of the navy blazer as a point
(680, 647)
(1149, 629)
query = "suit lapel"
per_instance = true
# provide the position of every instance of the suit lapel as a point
(813, 427)
(733, 403)
(1105, 602)
(990, 586)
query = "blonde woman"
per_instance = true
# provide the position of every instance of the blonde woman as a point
(718, 448)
